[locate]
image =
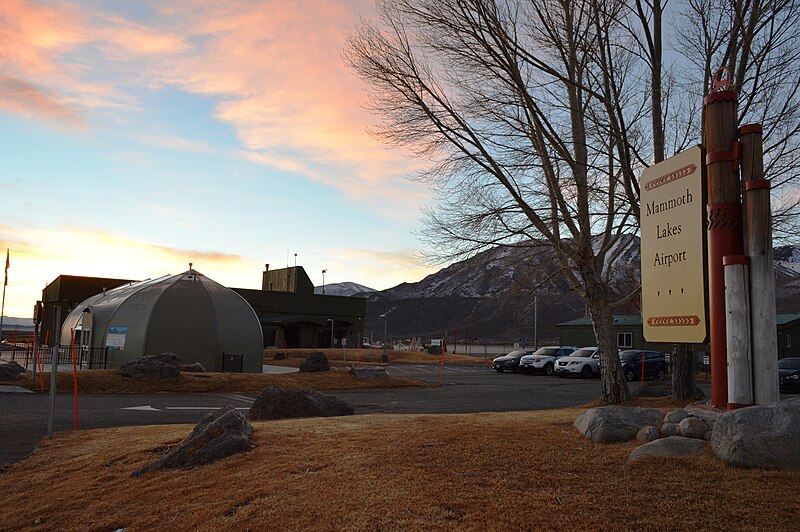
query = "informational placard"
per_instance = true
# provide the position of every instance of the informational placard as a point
(673, 206)
(115, 338)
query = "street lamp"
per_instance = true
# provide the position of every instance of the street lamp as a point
(331, 320)
(323, 280)
(384, 355)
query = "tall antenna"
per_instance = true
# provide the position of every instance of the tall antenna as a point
(295, 260)
(287, 257)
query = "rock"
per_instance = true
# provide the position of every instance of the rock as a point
(279, 356)
(676, 416)
(706, 414)
(669, 429)
(648, 433)
(281, 403)
(671, 446)
(606, 424)
(10, 371)
(662, 388)
(219, 434)
(315, 362)
(763, 436)
(692, 427)
(197, 367)
(163, 366)
(369, 373)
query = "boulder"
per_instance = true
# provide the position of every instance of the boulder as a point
(219, 434)
(706, 414)
(669, 429)
(315, 362)
(279, 356)
(671, 446)
(10, 371)
(693, 427)
(163, 366)
(676, 416)
(368, 373)
(197, 367)
(763, 436)
(648, 433)
(662, 388)
(281, 403)
(607, 424)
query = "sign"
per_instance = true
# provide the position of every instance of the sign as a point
(115, 338)
(706, 360)
(672, 217)
(436, 342)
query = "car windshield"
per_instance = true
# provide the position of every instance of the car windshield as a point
(547, 351)
(627, 356)
(582, 353)
(515, 354)
(789, 363)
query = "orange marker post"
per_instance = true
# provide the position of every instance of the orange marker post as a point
(642, 367)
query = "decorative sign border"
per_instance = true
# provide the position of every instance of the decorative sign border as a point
(673, 321)
(670, 177)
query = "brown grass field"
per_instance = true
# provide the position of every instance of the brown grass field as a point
(508, 471)
(371, 356)
(111, 381)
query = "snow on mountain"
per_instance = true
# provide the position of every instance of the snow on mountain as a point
(346, 289)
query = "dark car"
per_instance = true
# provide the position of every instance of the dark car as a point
(655, 365)
(509, 362)
(789, 374)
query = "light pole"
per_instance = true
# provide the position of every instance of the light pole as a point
(535, 321)
(384, 355)
(330, 320)
(323, 280)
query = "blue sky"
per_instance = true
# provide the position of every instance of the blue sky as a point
(139, 137)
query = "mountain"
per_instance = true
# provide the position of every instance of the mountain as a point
(344, 289)
(492, 295)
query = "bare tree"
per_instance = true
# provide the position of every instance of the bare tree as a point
(504, 99)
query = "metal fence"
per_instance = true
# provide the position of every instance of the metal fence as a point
(85, 357)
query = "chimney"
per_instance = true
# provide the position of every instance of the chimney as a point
(264, 284)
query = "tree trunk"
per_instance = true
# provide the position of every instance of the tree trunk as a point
(612, 382)
(682, 373)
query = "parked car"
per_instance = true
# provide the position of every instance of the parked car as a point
(655, 365)
(584, 362)
(544, 359)
(509, 362)
(789, 374)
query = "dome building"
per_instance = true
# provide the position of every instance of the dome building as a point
(187, 314)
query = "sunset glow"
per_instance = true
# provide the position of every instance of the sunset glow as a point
(139, 137)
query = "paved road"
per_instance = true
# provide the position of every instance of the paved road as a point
(23, 417)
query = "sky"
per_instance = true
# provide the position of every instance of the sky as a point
(139, 136)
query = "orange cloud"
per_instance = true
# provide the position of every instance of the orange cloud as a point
(17, 96)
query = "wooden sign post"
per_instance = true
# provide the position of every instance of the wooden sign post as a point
(724, 222)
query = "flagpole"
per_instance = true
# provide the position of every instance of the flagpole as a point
(3, 307)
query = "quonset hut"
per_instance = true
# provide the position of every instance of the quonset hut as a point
(187, 314)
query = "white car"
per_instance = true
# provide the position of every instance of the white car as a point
(584, 362)
(544, 360)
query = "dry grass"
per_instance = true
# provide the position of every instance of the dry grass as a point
(112, 381)
(524, 470)
(370, 356)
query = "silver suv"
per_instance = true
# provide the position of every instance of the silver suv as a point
(544, 360)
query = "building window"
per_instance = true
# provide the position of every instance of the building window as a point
(625, 339)
(788, 340)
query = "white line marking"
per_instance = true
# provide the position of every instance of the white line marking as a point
(240, 398)
(203, 407)
(146, 408)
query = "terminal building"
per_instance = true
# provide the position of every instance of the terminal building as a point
(289, 313)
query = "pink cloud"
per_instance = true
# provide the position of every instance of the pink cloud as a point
(17, 96)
